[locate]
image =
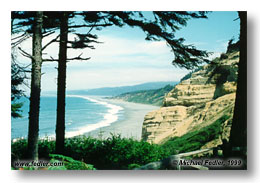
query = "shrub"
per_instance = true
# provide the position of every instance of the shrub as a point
(112, 153)
(133, 166)
(69, 163)
(196, 139)
(223, 56)
(224, 73)
(19, 150)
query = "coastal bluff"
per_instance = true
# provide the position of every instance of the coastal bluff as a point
(196, 102)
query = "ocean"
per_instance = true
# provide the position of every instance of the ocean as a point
(83, 114)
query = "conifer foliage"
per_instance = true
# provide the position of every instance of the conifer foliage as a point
(157, 26)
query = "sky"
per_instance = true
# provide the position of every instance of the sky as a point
(125, 58)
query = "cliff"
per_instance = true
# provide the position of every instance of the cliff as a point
(196, 102)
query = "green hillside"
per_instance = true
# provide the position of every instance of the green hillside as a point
(114, 91)
(154, 97)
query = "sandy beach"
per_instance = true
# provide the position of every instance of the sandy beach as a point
(130, 125)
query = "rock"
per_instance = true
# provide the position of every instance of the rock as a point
(190, 94)
(195, 103)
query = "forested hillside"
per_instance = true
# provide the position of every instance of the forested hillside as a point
(154, 97)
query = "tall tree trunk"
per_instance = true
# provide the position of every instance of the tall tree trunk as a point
(35, 87)
(238, 136)
(61, 91)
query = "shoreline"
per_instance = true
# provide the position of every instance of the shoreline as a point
(130, 126)
(110, 117)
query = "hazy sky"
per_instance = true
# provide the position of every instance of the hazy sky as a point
(125, 58)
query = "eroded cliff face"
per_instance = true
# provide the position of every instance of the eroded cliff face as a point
(196, 102)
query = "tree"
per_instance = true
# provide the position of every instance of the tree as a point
(62, 64)
(60, 122)
(31, 23)
(37, 25)
(33, 132)
(82, 41)
(50, 21)
(238, 135)
(162, 27)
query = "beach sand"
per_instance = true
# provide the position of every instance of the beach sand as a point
(130, 125)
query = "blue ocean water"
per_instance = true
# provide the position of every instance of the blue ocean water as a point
(83, 114)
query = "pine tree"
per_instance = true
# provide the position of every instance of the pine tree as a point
(31, 24)
(163, 27)
(61, 90)
(238, 135)
(33, 132)
(82, 41)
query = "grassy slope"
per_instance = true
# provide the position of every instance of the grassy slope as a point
(154, 97)
(196, 139)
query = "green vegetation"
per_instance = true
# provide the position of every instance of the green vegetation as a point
(233, 47)
(87, 153)
(62, 163)
(154, 97)
(225, 73)
(188, 76)
(16, 110)
(115, 91)
(115, 152)
(196, 139)
(112, 153)
(69, 163)
(17, 79)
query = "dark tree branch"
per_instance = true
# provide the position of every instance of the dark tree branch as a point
(47, 33)
(91, 28)
(52, 41)
(24, 53)
(84, 41)
(236, 19)
(22, 38)
(68, 59)
(85, 46)
(24, 34)
(93, 25)
(79, 58)
(50, 60)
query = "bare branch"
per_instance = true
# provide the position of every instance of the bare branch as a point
(93, 25)
(26, 66)
(91, 28)
(18, 65)
(24, 53)
(24, 34)
(85, 46)
(68, 59)
(79, 58)
(47, 33)
(22, 38)
(27, 71)
(50, 60)
(236, 19)
(84, 41)
(52, 41)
